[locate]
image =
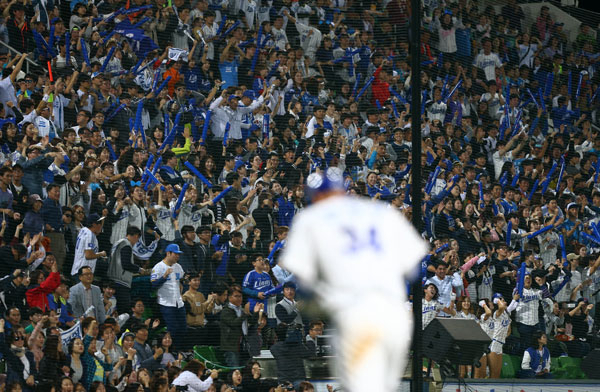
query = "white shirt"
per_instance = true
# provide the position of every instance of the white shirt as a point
(44, 126)
(89, 105)
(342, 245)
(309, 42)
(209, 32)
(86, 240)
(430, 310)
(7, 93)
(445, 286)
(499, 162)
(527, 309)
(194, 384)
(58, 111)
(234, 117)
(526, 54)
(169, 294)
(280, 38)
(488, 63)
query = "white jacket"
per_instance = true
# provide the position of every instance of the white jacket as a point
(192, 381)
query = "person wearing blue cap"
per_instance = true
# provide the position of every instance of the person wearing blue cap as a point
(166, 277)
(339, 232)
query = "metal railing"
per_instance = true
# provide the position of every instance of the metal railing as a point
(28, 61)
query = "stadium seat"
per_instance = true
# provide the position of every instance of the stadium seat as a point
(569, 368)
(508, 368)
(208, 355)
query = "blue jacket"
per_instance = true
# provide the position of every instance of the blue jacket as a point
(536, 358)
(33, 172)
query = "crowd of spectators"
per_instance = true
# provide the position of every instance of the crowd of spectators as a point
(153, 158)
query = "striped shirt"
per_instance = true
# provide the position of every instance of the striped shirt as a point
(527, 309)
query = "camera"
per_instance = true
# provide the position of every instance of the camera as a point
(181, 388)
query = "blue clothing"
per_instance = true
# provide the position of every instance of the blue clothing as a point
(255, 283)
(286, 212)
(52, 214)
(61, 308)
(463, 42)
(537, 360)
(229, 73)
(568, 225)
(33, 172)
(192, 78)
(221, 246)
(33, 222)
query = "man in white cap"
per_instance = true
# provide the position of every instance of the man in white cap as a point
(166, 277)
(374, 246)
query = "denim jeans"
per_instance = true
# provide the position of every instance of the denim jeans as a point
(176, 324)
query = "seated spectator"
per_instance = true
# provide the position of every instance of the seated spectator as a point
(536, 359)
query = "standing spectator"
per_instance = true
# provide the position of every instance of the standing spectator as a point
(37, 294)
(86, 250)
(196, 306)
(286, 310)
(235, 320)
(122, 268)
(86, 298)
(53, 220)
(19, 31)
(34, 167)
(445, 283)
(166, 277)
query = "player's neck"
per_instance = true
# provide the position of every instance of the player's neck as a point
(326, 195)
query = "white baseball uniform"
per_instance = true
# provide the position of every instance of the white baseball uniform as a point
(353, 253)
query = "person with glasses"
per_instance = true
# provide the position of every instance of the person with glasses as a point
(20, 361)
(83, 120)
(85, 298)
(98, 122)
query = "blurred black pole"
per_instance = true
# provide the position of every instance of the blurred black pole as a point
(415, 119)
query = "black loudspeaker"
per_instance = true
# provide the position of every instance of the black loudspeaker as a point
(459, 341)
(591, 364)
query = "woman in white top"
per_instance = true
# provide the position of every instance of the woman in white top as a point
(486, 321)
(464, 309)
(446, 26)
(238, 221)
(528, 50)
(431, 306)
(501, 316)
(190, 377)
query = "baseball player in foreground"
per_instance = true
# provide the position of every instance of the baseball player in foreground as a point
(353, 254)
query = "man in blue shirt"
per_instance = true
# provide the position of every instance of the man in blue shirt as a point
(228, 66)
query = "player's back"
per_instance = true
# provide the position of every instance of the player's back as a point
(349, 244)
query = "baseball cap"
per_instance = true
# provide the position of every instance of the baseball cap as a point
(290, 285)
(232, 97)
(35, 197)
(94, 218)
(174, 248)
(249, 94)
(332, 179)
(573, 256)
(572, 205)
(497, 297)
